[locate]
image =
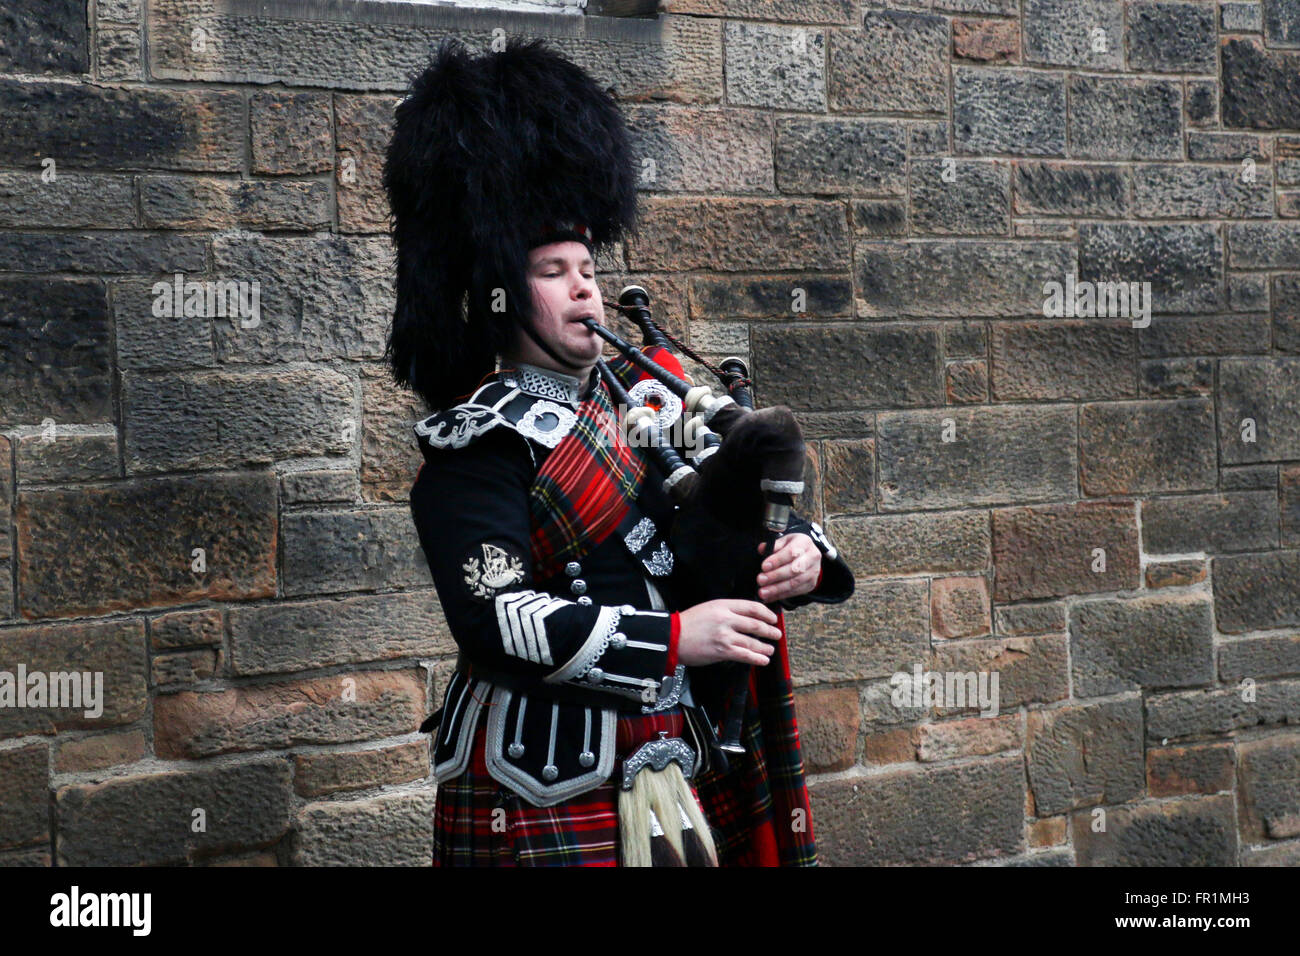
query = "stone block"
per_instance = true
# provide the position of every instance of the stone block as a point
(215, 419)
(1087, 755)
(110, 128)
(71, 201)
(858, 365)
(705, 149)
(1259, 409)
(1047, 188)
(959, 607)
(828, 727)
(1051, 550)
(1147, 447)
(1268, 777)
(962, 458)
(775, 66)
(389, 830)
(1171, 37)
(1202, 713)
(24, 795)
(848, 483)
(303, 635)
(1125, 118)
(44, 36)
(324, 710)
(363, 126)
(959, 279)
(187, 202)
(943, 814)
(960, 197)
(884, 627)
(1259, 88)
(734, 235)
(1177, 771)
(106, 659)
(1121, 645)
(1183, 262)
(58, 337)
(1243, 521)
(897, 63)
(1201, 192)
(1083, 359)
(152, 819)
(1008, 111)
(986, 41)
(1080, 34)
(133, 544)
(835, 156)
(1256, 591)
(1195, 831)
(1029, 669)
(290, 132)
(930, 542)
(319, 774)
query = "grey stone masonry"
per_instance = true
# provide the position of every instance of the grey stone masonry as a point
(1027, 273)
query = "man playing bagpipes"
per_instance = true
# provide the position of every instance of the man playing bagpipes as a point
(596, 670)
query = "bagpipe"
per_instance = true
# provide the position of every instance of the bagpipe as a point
(738, 490)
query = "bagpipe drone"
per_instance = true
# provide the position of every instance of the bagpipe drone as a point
(738, 493)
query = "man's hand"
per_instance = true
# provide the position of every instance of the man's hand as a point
(726, 630)
(792, 569)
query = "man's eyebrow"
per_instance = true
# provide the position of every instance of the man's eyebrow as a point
(559, 260)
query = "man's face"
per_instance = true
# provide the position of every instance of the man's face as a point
(562, 278)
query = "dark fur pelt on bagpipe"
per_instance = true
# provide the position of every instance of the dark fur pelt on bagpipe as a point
(715, 537)
(485, 152)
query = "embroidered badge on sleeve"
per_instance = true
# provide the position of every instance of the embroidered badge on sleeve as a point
(489, 568)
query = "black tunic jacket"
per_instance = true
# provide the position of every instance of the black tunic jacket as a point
(552, 661)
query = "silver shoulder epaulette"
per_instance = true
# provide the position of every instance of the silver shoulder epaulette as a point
(459, 425)
(498, 403)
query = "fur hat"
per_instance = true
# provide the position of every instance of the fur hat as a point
(491, 156)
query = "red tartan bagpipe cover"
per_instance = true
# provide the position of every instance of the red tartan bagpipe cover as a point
(759, 808)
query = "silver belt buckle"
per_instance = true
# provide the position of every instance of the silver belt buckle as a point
(657, 754)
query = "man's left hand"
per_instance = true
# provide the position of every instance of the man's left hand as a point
(792, 569)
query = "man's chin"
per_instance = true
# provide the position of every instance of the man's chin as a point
(585, 354)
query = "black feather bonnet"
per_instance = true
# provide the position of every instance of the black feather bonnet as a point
(491, 156)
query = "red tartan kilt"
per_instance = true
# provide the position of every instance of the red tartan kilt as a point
(480, 822)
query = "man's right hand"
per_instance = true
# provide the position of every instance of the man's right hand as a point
(726, 630)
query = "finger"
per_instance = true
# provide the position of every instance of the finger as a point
(782, 543)
(798, 563)
(748, 657)
(779, 592)
(779, 560)
(748, 625)
(749, 645)
(798, 541)
(738, 647)
(793, 587)
(753, 609)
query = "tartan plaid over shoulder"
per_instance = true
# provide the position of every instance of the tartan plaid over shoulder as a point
(584, 487)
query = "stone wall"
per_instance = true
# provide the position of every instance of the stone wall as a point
(1104, 512)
